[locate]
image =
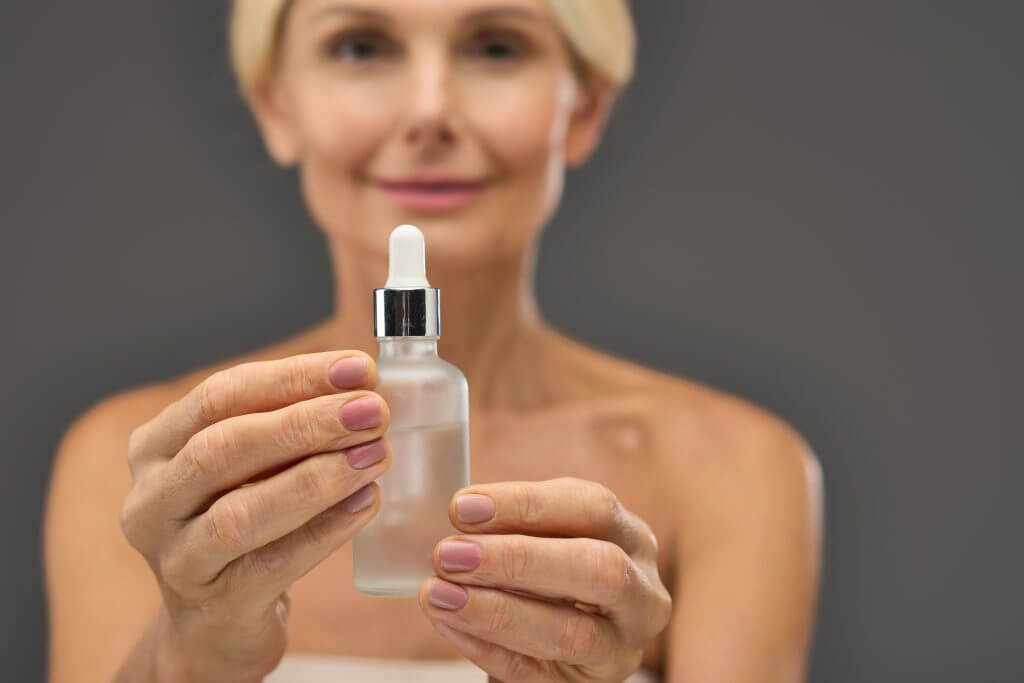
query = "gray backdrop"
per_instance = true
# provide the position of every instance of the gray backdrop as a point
(812, 204)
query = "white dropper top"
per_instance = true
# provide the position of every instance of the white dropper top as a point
(407, 258)
(407, 306)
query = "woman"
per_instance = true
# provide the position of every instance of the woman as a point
(624, 523)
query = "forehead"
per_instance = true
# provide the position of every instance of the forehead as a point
(419, 11)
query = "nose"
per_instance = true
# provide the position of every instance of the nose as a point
(429, 122)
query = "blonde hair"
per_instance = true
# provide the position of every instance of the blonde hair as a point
(599, 32)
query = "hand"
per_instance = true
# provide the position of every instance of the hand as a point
(240, 488)
(551, 581)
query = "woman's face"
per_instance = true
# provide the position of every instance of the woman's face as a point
(456, 115)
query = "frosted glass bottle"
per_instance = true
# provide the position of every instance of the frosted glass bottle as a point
(429, 435)
(428, 399)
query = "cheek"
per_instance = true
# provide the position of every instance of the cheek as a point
(342, 127)
(522, 127)
(523, 131)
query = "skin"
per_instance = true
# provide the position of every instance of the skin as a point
(639, 518)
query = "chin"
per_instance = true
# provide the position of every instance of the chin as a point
(454, 241)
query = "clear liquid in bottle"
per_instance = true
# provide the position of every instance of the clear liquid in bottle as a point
(428, 399)
(394, 551)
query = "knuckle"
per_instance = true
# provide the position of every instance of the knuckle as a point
(314, 479)
(134, 437)
(663, 611)
(604, 498)
(299, 428)
(604, 506)
(265, 564)
(612, 570)
(501, 618)
(229, 523)
(649, 540)
(206, 451)
(129, 517)
(178, 563)
(320, 528)
(515, 560)
(517, 667)
(582, 639)
(135, 441)
(527, 502)
(214, 396)
(297, 381)
(173, 568)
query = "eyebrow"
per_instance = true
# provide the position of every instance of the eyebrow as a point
(362, 12)
(478, 15)
(503, 11)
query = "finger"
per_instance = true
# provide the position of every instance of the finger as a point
(542, 630)
(563, 507)
(268, 570)
(252, 516)
(235, 450)
(251, 387)
(583, 570)
(501, 663)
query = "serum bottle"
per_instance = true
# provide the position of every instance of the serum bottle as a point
(429, 432)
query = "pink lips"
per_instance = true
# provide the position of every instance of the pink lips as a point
(433, 194)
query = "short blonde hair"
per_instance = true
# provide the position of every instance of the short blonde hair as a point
(599, 32)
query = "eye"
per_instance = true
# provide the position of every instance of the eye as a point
(497, 46)
(361, 46)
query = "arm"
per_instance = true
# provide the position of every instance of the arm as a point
(749, 560)
(101, 594)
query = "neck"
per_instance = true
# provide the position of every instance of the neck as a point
(491, 328)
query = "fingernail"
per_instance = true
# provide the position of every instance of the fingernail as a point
(361, 413)
(474, 508)
(459, 556)
(364, 455)
(447, 595)
(359, 500)
(348, 373)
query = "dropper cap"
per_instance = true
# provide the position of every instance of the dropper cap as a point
(407, 306)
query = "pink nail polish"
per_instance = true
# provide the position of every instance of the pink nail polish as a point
(447, 595)
(348, 373)
(360, 500)
(362, 456)
(474, 508)
(459, 556)
(362, 413)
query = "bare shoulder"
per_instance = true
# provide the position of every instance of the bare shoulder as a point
(739, 473)
(698, 429)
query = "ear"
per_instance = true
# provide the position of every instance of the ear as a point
(594, 99)
(275, 122)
